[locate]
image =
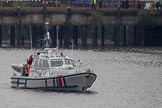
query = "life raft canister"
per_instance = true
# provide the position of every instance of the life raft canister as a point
(26, 69)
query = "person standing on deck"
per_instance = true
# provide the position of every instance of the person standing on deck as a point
(30, 60)
(47, 39)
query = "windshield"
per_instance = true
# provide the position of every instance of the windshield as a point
(68, 61)
(56, 62)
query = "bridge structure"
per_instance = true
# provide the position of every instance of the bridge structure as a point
(63, 20)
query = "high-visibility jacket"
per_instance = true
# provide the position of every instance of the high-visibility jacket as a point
(94, 2)
(27, 69)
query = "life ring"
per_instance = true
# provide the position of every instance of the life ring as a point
(26, 69)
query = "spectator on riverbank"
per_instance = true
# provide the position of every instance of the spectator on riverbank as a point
(160, 5)
(125, 4)
(139, 5)
(157, 5)
(143, 4)
(100, 3)
(94, 4)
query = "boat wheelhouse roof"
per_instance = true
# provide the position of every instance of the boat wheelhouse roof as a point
(51, 53)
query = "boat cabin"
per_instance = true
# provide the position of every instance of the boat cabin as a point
(45, 65)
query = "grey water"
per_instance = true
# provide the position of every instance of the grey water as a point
(126, 78)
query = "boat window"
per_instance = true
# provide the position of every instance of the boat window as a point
(68, 61)
(45, 63)
(56, 62)
(36, 63)
(40, 63)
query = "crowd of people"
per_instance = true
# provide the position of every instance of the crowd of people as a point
(127, 4)
(158, 5)
(152, 4)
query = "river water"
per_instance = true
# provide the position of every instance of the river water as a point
(127, 78)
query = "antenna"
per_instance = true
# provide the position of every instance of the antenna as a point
(57, 29)
(31, 38)
(72, 47)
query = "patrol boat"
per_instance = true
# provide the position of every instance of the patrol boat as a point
(52, 71)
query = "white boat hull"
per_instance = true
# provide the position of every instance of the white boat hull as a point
(74, 82)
